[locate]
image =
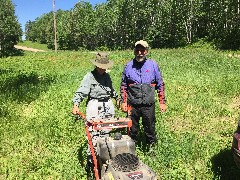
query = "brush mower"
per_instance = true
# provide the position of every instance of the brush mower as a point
(115, 157)
(236, 145)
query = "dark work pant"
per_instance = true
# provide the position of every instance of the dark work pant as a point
(147, 112)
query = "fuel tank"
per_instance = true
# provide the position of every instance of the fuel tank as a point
(110, 147)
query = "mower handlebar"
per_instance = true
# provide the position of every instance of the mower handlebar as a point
(81, 115)
(107, 123)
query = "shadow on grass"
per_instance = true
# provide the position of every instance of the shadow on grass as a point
(82, 154)
(23, 88)
(17, 52)
(141, 143)
(12, 52)
(224, 167)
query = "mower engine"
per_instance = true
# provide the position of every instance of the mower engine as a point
(236, 145)
(119, 161)
(236, 149)
(111, 146)
(115, 157)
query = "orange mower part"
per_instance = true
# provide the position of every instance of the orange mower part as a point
(236, 149)
(101, 124)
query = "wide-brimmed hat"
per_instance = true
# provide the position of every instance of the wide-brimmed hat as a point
(142, 43)
(102, 61)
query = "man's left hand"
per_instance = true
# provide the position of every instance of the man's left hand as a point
(163, 107)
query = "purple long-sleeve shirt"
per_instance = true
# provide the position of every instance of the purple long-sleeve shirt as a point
(139, 80)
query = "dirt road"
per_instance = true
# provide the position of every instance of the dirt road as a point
(28, 49)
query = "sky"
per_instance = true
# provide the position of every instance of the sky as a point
(26, 10)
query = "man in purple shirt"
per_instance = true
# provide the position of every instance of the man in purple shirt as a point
(140, 78)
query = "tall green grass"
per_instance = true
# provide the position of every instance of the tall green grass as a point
(39, 138)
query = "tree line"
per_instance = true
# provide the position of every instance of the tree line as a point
(117, 24)
(10, 29)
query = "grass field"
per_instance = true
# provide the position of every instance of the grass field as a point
(39, 138)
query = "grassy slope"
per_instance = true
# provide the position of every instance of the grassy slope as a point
(40, 140)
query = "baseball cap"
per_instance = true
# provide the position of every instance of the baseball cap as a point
(142, 43)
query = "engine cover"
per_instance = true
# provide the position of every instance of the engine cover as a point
(109, 147)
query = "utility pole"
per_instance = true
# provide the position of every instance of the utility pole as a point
(55, 26)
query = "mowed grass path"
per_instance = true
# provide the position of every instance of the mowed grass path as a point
(39, 138)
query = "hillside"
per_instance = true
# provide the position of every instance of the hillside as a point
(39, 138)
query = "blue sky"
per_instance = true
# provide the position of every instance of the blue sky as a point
(31, 9)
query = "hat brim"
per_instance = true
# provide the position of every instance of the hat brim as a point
(102, 66)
